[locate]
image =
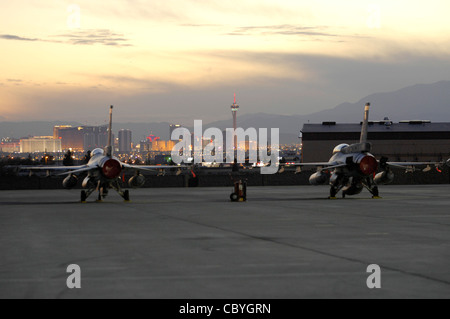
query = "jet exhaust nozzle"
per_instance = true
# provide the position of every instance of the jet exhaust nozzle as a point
(111, 168)
(368, 165)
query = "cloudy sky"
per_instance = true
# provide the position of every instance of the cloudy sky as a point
(180, 60)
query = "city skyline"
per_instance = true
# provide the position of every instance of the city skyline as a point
(184, 61)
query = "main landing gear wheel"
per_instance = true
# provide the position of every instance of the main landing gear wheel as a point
(234, 197)
(83, 196)
(126, 195)
(100, 197)
(375, 194)
(333, 193)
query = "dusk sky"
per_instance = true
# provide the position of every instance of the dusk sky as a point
(182, 60)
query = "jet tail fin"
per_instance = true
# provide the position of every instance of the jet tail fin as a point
(365, 124)
(109, 148)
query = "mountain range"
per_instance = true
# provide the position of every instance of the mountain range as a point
(417, 102)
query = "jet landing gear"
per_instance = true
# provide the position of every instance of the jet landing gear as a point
(124, 194)
(83, 196)
(86, 194)
(336, 183)
(103, 192)
(372, 188)
(333, 192)
(374, 191)
(353, 186)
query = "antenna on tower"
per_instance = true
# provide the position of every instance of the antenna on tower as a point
(234, 98)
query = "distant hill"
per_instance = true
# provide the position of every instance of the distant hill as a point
(417, 102)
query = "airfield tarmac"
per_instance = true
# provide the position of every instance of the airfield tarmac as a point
(284, 242)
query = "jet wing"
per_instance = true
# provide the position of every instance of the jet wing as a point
(323, 164)
(65, 169)
(407, 164)
(150, 168)
(327, 165)
(80, 170)
(320, 165)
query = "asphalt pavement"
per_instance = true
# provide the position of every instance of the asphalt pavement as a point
(284, 242)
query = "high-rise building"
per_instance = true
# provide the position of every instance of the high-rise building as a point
(57, 128)
(95, 137)
(71, 137)
(124, 141)
(81, 138)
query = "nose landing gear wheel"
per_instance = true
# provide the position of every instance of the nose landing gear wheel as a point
(126, 195)
(83, 196)
(100, 197)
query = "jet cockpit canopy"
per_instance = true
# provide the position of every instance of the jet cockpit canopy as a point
(339, 148)
(97, 152)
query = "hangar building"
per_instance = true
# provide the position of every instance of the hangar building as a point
(403, 141)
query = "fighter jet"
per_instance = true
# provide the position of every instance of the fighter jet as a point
(103, 172)
(353, 168)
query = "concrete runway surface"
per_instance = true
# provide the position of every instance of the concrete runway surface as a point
(284, 242)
